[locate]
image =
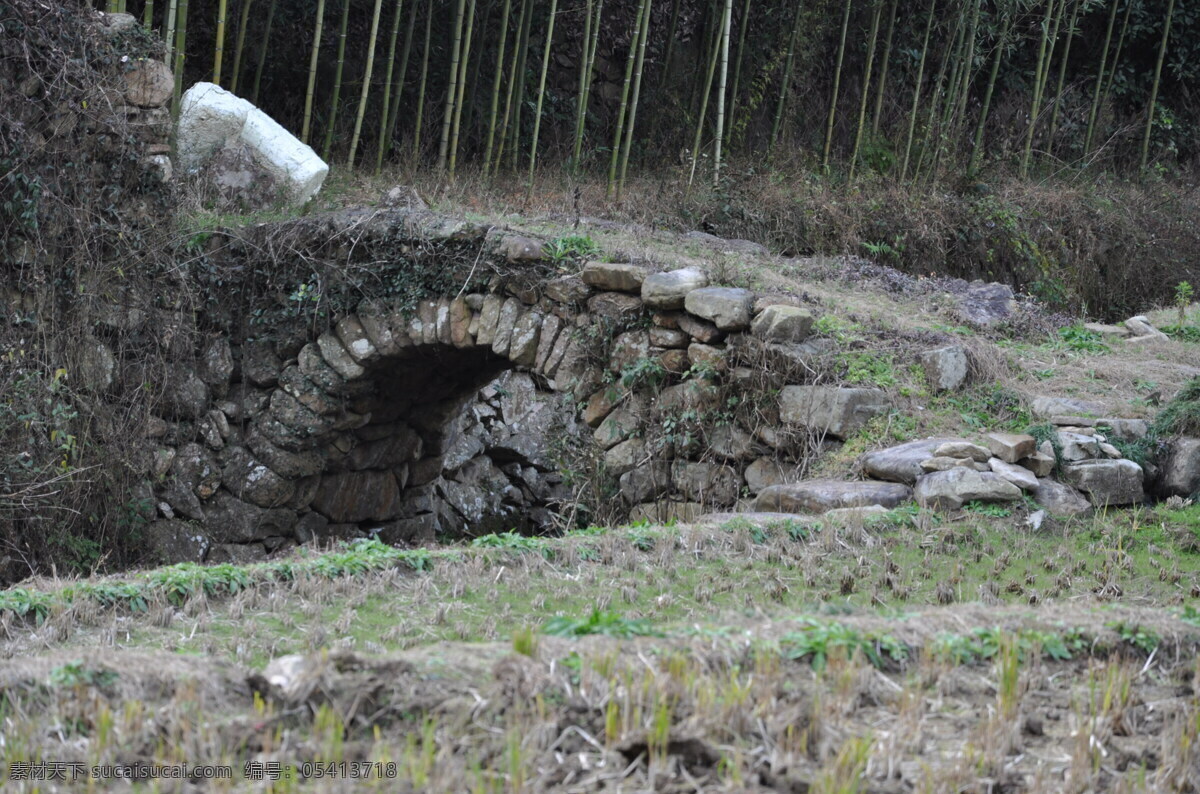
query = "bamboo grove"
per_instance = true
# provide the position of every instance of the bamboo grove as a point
(913, 89)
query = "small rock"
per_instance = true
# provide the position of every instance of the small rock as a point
(624, 457)
(1059, 499)
(946, 463)
(148, 83)
(517, 250)
(703, 332)
(1040, 464)
(946, 367)
(616, 427)
(568, 289)
(1141, 328)
(1046, 407)
(708, 483)
(1077, 446)
(765, 472)
(1018, 476)
(963, 449)
(726, 307)
(829, 409)
(1011, 447)
(784, 324)
(669, 290)
(615, 306)
(614, 277)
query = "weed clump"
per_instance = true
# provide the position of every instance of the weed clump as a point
(1181, 416)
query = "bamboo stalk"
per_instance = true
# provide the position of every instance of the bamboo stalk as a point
(241, 42)
(148, 15)
(872, 39)
(662, 80)
(495, 106)
(514, 132)
(1037, 89)
(721, 86)
(708, 81)
(916, 100)
(614, 161)
(366, 82)
(401, 81)
(337, 82)
(968, 66)
(384, 128)
(537, 116)
(744, 25)
(169, 36)
(460, 10)
(977, 148)
(462, 86)
(1112, 73)
(837, 82)
(1091, 125)
(218, 55)
(422, 83)
(883, 72)
(262, 51)
(584, 81)
(180, 54)
(512, 85)
(786, 84)
(633, 105)
(1158, 64)
(1062, 72)
(306, 127)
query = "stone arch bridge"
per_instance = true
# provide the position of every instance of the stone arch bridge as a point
(405, 375)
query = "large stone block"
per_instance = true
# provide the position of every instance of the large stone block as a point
(829, 409)
(1107, 482)
(1181, 471)
(945, 367)
(950, 490)
(820, 496)
(210, 117)
(728, 308)
(352, 497)
(783, 324)
(901, 463)
(614, 277)
(669, 290)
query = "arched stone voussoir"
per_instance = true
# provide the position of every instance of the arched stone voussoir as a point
(353, 336)
(337, 357)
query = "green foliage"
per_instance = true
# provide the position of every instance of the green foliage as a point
(1181, 416)
(990, 408)
(607, 623)
(22, 603)
(868, 368)
(176, 584)
(984, 643)
(1140, 637)
(644, 373)
(1078, 339)
(21, 194)
(76, 674)
(524, 642)
(572, 247)
(986, 509)
(816, 641)
(1183, 298)
(510, 541)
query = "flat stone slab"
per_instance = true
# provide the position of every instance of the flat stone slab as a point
(950, 490)
(820, 496)
(903, 463)
(838, 412)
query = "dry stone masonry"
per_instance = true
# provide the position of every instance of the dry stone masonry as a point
(478, 409)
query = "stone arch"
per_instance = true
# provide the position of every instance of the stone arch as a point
(359, 427)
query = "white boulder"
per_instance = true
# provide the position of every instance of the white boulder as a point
(211, 118)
